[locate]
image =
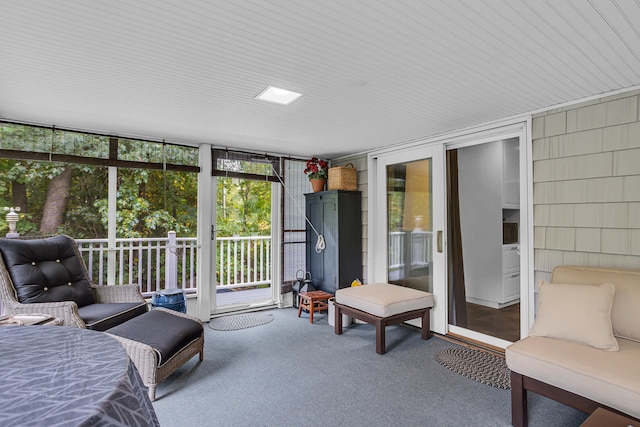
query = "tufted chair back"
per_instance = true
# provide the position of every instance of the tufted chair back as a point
(47, 270)
(48, 276)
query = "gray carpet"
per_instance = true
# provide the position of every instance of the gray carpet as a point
(293, 373)
(235, 322)
(476, 365)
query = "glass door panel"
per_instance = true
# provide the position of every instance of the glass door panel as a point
(409, 224)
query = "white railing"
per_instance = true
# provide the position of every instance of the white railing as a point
(170, 262)
(151, 263)
(243, 261)
(409, 250)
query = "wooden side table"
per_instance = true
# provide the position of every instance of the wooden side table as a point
(313, 301)
(603, 417)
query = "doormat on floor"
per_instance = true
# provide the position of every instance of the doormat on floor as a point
(240, 321)
(476, 365)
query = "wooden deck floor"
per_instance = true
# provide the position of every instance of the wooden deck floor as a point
(245, 296)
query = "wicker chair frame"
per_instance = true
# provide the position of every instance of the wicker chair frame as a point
(146, 357)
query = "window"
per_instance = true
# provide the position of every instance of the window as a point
(61, 182)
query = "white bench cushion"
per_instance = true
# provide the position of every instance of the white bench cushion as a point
(384, 299)
(625, 315)
(611, 378)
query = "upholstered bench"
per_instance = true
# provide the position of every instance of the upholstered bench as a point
(159, 342)
(382, 304)
(584, 345)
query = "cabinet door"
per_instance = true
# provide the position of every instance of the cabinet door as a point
(510, 258)
(329, 280)
(349, 230)
(510, 287)
(320, 209)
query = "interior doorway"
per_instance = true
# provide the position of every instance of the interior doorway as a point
(483, 223)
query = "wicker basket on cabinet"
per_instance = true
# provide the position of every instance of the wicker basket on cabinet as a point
(343, 178)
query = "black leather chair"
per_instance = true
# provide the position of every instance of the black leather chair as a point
(48, 276)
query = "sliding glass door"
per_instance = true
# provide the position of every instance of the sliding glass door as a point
(488, 293)
(452, 218)
(408, 237)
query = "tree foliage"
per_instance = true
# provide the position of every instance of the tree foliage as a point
(150, 202)
(244, 207)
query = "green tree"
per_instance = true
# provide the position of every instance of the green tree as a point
(244, 207)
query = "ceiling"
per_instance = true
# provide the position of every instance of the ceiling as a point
(373, 72)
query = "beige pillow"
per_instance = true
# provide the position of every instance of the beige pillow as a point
(578, 313)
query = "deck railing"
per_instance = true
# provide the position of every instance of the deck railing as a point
(243, 261)
(170, 262)
(410, 250)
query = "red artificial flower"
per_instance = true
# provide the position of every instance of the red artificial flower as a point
(316, 168)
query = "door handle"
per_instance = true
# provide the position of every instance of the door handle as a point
(439, 241)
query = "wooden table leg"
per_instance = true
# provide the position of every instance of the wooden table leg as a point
(426, 325)
(311, 310)
(299, 305)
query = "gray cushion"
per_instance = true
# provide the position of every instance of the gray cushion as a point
(165, 332)
(47, 270)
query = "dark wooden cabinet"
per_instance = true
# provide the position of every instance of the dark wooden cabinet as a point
(336, 215)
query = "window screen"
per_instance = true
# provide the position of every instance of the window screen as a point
(238, 164)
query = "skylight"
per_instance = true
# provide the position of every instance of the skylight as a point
(278, 95)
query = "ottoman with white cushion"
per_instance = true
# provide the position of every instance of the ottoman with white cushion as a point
(382, 304)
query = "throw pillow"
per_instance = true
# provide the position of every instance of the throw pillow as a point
(578, 313)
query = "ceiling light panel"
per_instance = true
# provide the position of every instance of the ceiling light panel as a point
(278, 95)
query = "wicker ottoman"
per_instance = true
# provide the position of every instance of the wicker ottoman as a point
(382, 304)
(159, 342)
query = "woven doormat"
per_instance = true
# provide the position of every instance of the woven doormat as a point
(240, 321)
(476, 365)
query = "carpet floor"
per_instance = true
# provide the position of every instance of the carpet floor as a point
(293, 373)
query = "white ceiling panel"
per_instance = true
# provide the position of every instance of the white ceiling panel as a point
(373, 72)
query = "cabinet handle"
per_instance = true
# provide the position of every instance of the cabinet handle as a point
(439, 241)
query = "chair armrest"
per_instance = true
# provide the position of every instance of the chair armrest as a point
(65, 310)
(117, 293)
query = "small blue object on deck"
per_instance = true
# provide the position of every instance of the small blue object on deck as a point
(172, 299)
